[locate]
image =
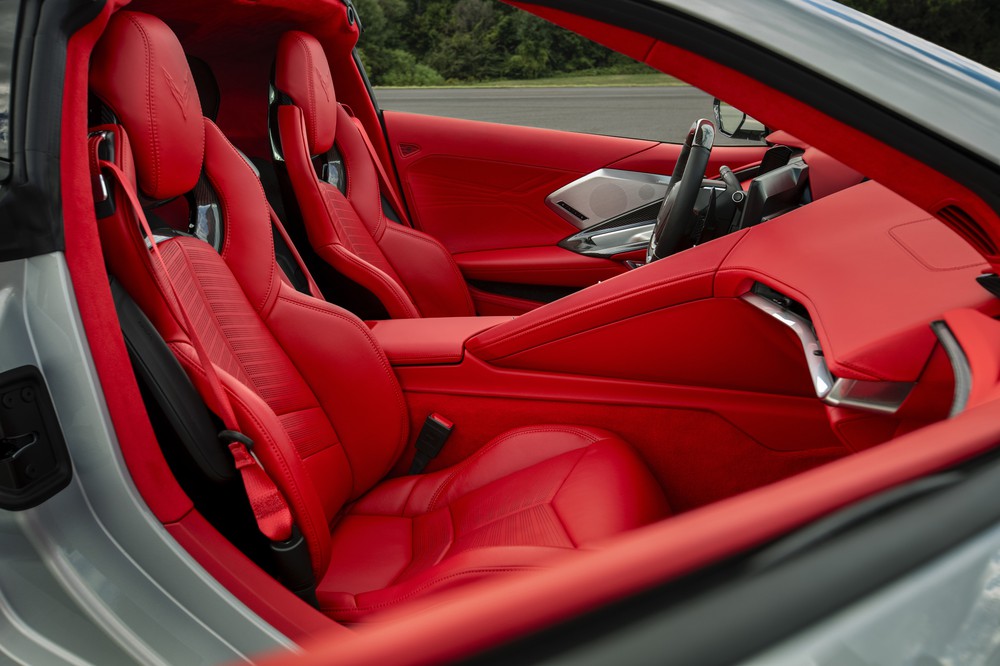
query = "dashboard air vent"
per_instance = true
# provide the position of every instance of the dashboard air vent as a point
(968, 228)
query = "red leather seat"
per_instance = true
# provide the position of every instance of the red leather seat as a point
(313, 389)
(410, 273)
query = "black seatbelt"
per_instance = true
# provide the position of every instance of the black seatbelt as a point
(171, 388)
(431, 439)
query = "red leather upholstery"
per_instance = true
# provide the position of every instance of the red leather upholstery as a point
(139, 59)
(408, 271)
(871, 291)
(523, 499)
(547, 264)
(303, 73)
(921, 269)
(435, 341)
(314, 390)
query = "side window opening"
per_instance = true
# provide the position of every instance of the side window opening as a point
(8, 31)
(484, 60)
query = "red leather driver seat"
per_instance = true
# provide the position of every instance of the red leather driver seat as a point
(313, 389)
(410, 273)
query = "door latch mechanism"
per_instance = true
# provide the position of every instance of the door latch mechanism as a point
(34, 461)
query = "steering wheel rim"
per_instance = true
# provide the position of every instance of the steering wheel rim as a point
(676, 217)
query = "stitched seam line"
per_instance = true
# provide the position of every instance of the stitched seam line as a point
(291, 481)
(449, 259)
(389, 283)
(429, 584)
(551, 502)
(380, 355)
(150, 100)
(533, 327)
(899, 241)
(431, 505)
(310, 87)
(225, 206)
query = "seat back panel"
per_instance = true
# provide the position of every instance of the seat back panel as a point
(307, 381)
(413, 274)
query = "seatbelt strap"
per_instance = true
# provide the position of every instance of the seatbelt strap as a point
(280, 228)
(434, 433)
(387, 186)
(274, 517)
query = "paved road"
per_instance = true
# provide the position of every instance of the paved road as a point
(662, 113)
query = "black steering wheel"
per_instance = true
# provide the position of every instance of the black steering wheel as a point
(677, 217)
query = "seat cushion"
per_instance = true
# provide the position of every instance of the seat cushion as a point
(526, 498)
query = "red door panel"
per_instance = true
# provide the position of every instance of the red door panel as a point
(480, 189)
(482, 186)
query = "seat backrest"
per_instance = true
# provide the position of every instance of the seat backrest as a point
(309, 383)
(410, 272)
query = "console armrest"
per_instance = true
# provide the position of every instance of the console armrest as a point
(432, 341)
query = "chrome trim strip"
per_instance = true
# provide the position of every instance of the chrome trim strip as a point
(821, 378)
(884, 397)
(881, 397)
(623, 236)
(959, 366)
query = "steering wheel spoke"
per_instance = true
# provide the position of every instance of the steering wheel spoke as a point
(677, 218)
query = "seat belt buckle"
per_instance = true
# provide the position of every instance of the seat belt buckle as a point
(294, 566)
(433, 435)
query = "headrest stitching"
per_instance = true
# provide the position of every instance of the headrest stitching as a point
(150, 101)
(312, 109)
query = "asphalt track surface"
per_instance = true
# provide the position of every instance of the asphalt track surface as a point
(663, 113)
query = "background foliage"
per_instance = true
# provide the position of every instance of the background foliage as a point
(431, 42)
(426, 42)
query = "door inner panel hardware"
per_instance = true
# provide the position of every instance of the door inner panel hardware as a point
(34, 461)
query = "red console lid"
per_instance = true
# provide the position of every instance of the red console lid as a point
(431, 341)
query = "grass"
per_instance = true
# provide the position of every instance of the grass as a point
(571, 81)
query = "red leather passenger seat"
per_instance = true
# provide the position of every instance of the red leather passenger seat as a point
(410, 273)
(313, 389)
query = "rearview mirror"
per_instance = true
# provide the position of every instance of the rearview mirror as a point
(737, 125)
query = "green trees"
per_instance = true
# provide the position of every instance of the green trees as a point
(428, 42)
(422, 42)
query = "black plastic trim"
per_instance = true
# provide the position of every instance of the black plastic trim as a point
(30, 201)
(529, 292)
(170, 387)
(34, 460)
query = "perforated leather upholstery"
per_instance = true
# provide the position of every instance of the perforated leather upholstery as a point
(313, 389)
(411, 273)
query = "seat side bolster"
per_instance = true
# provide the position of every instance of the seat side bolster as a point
(393, 297)
(333, 349)
(323, 229)
(429, 272)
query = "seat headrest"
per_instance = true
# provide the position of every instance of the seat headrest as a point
(303, 73)
(139, 70)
